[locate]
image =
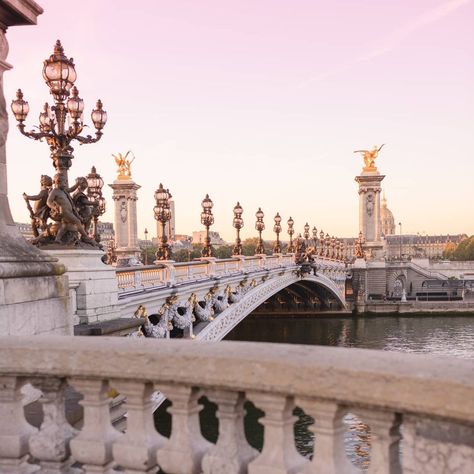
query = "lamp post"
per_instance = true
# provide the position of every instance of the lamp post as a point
(306, 233)
(260, 227)
(95, 183)
(238, 223)
(327, 245)
(60, 74)
(315, 238)
(207, 219)
(400, 224)
(146, 246)
(277, 230)
(321, 243)
(162, 213)
(291, 231)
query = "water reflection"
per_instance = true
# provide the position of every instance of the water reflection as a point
(441, 335)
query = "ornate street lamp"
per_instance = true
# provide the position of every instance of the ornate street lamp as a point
(332, 244)
(306, 233)
(207, 219)
(277, 230)
(291, 231)
(260, 227)
(238, 223)
(321, 243)
(146, 245)
(95, 183)
(315, 238)
(60, 74)
(162, 213)
(327, 245)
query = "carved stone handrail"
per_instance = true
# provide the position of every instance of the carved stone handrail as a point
(162, 275)
(431, 398)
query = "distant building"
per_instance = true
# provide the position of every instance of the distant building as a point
(25, 230)
(200, 236)
(106, 231)
(419, 246)
(387, 219)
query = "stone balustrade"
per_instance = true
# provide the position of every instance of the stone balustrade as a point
(420, 409)
(173, 273)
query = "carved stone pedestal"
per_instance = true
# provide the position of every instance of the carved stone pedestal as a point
(92, 285)
(33, 291)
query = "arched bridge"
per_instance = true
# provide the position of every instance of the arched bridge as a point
(206, 299)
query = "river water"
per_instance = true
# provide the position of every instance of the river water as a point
(436, 334)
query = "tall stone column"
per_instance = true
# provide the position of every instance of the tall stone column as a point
(369, 210)
(125, 200)
(34, 295)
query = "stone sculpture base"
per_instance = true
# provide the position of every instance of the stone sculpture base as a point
(92, 285)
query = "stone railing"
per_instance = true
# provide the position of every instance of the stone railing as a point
(431, 399)
(151, 276)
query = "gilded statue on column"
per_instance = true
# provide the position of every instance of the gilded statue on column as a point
(369, 157)
(124, 170)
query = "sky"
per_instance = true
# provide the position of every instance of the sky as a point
(263, 102)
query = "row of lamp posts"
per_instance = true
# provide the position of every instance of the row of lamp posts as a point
(326, 246)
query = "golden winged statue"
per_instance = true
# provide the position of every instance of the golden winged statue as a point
(124, 169)
(370, 157)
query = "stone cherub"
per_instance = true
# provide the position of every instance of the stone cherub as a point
(124, 165)
(63, 210)
(370, 156)
(82, 203)
(39, 215)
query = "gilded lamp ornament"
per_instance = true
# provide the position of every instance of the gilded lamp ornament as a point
(95, 183)
(238, 223)
(259, 227)
(291, 231)
(59, 74)
(207, 219)
(59, 125)
(162, 213)
(277, 230)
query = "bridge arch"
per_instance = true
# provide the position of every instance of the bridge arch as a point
(234, 314)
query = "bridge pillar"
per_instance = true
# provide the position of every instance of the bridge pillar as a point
(125, 217)
(33, 290)
(370, 223)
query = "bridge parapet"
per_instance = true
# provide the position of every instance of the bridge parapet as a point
(382, 388)
(172, 273)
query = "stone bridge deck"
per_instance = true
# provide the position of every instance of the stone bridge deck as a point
(207, 298)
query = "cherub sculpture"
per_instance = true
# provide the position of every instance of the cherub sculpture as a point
(370, 157)
(39, 215)
(63, 210)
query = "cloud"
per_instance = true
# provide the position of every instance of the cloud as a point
(396, 38)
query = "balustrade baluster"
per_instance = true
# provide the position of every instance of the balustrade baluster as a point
(329, 455)
(279, 454)
(135, 451)
(93, 446)
(15, 431)
(385, 441)
(232, 453)
(183, 452)
(50, 445)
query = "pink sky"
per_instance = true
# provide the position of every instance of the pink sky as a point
(264, 101)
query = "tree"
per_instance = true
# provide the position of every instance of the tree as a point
(462, 252)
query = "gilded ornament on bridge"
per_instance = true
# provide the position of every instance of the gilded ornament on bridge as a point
(124, 170)
(369, 157)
